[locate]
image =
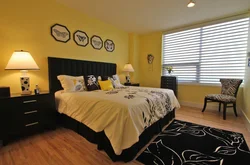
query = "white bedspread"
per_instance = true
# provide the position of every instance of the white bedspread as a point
(123, 114)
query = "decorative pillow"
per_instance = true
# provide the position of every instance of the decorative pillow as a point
(71, 83)
(116, 81)
(106, 85)
(99, 78)
(116, 77)
(91, 82)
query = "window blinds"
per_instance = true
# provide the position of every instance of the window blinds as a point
(206, 54)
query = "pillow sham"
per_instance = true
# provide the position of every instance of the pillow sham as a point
(106, 85)
(91, 82)
(71, 83)
(116, 81)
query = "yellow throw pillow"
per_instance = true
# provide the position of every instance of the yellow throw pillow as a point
(106, 85)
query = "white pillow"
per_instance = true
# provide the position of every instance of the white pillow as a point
(116, 81)
(71, 83)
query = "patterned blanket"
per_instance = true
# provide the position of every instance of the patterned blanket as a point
(124, 112)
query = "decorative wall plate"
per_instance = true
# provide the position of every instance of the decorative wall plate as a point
(150, 59)
(96, 42)
(109, 45)
(81, 38)
(60, 33)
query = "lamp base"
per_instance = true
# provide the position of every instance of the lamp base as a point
(127, 79)
(25, 85)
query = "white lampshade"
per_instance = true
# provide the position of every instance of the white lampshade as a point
(191, 3)
(21, 60)
(128, 68)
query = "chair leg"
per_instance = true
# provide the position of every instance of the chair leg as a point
(224, 110)
(219, 106)
(235, 111)
(205, 105)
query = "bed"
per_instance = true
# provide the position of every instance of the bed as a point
(120, 121)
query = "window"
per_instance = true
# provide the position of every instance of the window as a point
(206, 54)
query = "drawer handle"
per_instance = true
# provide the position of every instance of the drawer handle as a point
(30, 101)
(31, 124)
(30, 112)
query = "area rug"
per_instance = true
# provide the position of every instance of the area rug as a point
(183, 143)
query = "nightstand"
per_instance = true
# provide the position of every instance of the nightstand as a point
(132, 84)
(24, 115)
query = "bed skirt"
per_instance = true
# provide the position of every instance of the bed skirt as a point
(103, 142)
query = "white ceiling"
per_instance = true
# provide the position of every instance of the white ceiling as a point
(142, 16)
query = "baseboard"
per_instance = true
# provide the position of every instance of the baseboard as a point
(246, 120)
(199, 105)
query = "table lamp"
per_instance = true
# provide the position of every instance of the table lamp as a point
(128, 68)
(23, 61)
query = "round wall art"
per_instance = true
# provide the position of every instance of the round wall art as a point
(81, 38)
(60, 33)
(96, 42)
(109, 45)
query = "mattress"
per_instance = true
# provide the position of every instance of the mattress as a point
(123, 113)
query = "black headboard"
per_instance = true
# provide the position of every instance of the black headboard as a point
(62, 66)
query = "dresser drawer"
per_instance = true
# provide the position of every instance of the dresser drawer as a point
(31, 128)
(27, 103)
(31, 117)
(32, 103)
(169, 82)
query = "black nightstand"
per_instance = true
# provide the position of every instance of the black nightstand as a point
(132, 84)
(24, 115)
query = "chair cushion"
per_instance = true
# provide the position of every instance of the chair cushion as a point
(230, 86)
(221, 97)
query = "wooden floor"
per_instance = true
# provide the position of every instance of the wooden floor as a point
(65, 147)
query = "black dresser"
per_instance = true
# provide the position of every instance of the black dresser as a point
(24, 115)
(169, 82)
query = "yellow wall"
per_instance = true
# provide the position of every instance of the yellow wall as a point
(134, 56)
(150, 75)
(25, 24)
(194, 94)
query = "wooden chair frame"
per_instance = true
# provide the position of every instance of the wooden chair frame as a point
(225, 104)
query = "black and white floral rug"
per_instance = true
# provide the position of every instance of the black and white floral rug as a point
(183, 143)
